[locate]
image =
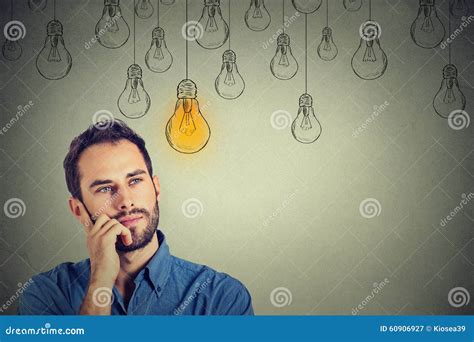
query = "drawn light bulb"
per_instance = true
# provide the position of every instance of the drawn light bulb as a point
(369, 61)
(167, 2)
(283, 65)
(54, 60)
(11, 50)
(352, 5)
(134, 101)
(306, 6)
(459, 8)
(187, 131)
(158, 58)
(212, 31)
(37, 5)
(327, 50)
(449, 97)
(306, 127)
(144, 9)
(257, 17)
(427, 30)
(112, 30)
(229, 84)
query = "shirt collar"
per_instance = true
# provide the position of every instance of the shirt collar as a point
(159, 266)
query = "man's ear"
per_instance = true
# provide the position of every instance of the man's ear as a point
(156, 182)
(75, 207)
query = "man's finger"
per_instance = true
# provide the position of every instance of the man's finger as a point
(99, 223)
(124, 233)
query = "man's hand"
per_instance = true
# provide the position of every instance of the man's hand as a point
(105, 262)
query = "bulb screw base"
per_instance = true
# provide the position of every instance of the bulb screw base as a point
(229, 56)
(54, 28)
(283, 39)
(158, 33)
(427, 2)
(306, 100)
(111, 2)
(187, 89)
(450, 71)
(327, 31)
(212, 2)
(134, 71)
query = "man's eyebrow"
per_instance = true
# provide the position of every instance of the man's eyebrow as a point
(108, 181)
(99, 182)
(135, 173)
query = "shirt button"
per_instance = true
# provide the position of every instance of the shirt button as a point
(158, 288)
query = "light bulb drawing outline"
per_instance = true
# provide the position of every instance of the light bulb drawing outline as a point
(257, 18)
(54, 61)
(427, 30)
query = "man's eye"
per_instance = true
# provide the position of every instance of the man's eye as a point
(105, 189)
(135, 180)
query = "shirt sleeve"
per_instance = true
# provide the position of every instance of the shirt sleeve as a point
(43, 297)
(232, 299)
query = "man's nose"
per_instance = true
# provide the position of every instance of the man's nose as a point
(125, 199)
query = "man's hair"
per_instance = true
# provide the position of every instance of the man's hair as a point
(103, 132)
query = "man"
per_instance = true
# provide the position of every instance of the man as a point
(130, 271)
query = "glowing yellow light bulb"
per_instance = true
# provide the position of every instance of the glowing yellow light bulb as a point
(187, 131)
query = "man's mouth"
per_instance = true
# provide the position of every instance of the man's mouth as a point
(129, 221)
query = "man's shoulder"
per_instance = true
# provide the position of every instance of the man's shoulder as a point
(206, 275)
(51, 292)
(225, 295)
(66, 272)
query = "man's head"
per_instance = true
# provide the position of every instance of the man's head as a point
(108, 171)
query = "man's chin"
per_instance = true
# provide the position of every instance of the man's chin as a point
(138, 242)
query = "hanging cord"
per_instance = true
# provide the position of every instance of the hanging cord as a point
(157, 13)
(54, 9)
(230, 31)
(449, 33)
(187, 32)
(283, 15)
(370, 10)
(306, 53)
(134, 30)
(327, 13)
(11, 10)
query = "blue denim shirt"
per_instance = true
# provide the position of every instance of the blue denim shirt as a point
(167, 285)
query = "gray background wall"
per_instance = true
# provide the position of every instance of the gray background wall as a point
(275, 213)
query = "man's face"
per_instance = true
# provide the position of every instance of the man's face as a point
(114, 181)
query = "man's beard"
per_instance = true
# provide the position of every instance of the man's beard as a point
(140, 239)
